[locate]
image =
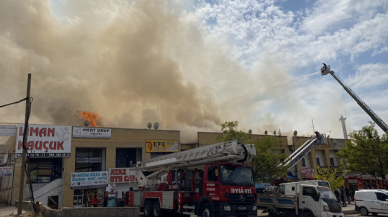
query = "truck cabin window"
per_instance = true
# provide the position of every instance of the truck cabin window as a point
(324, 184)
(213, 174)
(236, 176)
(310, 191)
(326, 193)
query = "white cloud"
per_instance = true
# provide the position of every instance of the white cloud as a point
(382, 50)
(369, 75)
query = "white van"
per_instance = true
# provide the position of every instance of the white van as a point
(371, 201)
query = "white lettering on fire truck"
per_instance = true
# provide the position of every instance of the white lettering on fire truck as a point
(210, 184)
(240, 190)
(210, 189)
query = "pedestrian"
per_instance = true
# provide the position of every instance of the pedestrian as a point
(337, 196)
(343, 197)
(95, 200)
(347, 192)
(106, 199)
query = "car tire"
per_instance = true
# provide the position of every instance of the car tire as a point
(374, 213)
(148, 209)
(157, 210)
(308, 214)
(206, 210)
(364, 211)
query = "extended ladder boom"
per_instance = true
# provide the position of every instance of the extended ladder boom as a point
(230, 152)
(326, 70)
(299, 153)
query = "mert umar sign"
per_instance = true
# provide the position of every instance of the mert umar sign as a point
(44, 141)
(161, 146)
(91, 132)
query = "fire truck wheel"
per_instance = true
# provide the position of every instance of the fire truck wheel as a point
(158, 211)
(206, 210)
(148, 211)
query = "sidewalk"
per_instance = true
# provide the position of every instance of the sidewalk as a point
(9, 211)
(349, 209)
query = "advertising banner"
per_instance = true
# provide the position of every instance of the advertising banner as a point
(5, 171)
(161, 146)
(89, 180)
(307, 172)
(7, 130)
(111, 189)
(91, 132)
(122, 175)
(44, 141)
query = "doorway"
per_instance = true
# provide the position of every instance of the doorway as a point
(52, 202)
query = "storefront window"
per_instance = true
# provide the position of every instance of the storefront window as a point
(45, 170)
(126, 156)
(303, 162)
(89, 159)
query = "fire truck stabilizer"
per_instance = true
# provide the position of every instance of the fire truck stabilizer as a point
(209, 181)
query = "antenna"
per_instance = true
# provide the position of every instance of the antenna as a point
(149, 125)
(156, 125)
(250, 131)
(312, 121)
(86, 123)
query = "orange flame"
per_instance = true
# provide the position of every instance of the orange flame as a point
(93, 118)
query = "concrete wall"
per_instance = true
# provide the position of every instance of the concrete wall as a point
(121, 138)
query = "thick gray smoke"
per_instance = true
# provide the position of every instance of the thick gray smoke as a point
(132, 63)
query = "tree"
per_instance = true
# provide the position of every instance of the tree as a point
(267, 163)
(366, 152)
(330, 175)
(230, 132)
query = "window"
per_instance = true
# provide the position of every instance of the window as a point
(282, 189)
(381, 196)
(309, 191)
(45, 170)
(303, 163)
(318, 163)
(158, 154)
(127, 156)
(332, 161)
(89, 159)
(212, 174)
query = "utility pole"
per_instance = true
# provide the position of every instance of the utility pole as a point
(342, 119)
(21, 188)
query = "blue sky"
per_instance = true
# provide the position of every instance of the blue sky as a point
(191, 65)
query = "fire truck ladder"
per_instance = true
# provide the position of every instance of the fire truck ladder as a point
(326, 70)
(299, 153)
(230, 152)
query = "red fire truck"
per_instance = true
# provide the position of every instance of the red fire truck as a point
(214, 180)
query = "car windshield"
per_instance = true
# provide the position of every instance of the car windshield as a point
(236, 176)
(326, 193)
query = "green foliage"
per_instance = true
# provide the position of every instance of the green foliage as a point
(230, 132)
(330, 175)
(366, 153)
(267, 163)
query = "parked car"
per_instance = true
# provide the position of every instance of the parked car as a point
(371, 201)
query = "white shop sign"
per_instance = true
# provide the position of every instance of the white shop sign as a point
(89, 180)
(91, 132)
(5, 171)
(88, 159)
(122, 175)
(44, 141)
(7, 130)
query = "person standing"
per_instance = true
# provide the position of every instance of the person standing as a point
(347, 192)
(106, 199)
(95, 200)
(337, 196)
(343, 197)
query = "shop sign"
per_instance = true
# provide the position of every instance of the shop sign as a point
(111, 189)
(338, 144)
(88, 160)
(44, 141)
(307, 172)
(91, 132)
(5, 171)
(161, 146)
(7, 130)
(89, 180)
(122, 175)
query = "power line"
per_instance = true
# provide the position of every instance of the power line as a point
(13, 102)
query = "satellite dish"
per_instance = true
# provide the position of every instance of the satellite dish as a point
(149, 125)
(86, 123)
(156, 125)
(250, 131)
(295, 133)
